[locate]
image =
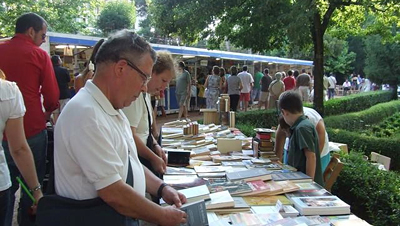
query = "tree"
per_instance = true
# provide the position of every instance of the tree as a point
(264, 24)
(338, 59)
(382, 62)
(67, 16)
(116, 16)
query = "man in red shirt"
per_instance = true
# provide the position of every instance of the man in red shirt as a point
(30, 67)
(289, 81)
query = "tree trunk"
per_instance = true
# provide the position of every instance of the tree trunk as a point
(318, 40)
(393, 86)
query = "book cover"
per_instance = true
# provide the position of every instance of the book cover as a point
(295, 176)
(240, 206)
(250, 174)
(308, 186)
(220, 200)
(234, 188)
(320, 205)
(308, 193)
(211, 175)
(179, 171)
(287, 211)
(196, 213)
(266, 200)
(211, 169)
(233, 164)
(251, 219)
(183, 181)
(259, 187)
(268, 166)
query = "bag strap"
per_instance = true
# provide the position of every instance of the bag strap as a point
(148, 113)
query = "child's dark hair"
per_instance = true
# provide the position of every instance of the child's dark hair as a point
(291, 101)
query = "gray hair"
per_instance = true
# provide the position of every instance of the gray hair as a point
(278, 76)
(124, 44)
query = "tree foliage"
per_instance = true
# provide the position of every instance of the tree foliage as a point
(338, 59)
(263, 25)
(382, 62)
(67, 16)
(116, 16)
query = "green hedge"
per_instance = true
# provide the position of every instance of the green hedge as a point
(389, 147)
(247, 121)
(352, 103)
(373, 194)
(356, 102)
(363, 119)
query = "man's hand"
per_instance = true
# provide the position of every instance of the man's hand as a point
(161, 153)
(158, 164)
(172, 216)
(172, 196)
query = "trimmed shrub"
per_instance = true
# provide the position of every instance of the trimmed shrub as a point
(352, 103)
(355, 141)
(356, 102)
(373, 194)
(363, 119)
(258, 118)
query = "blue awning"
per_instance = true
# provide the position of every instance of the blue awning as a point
(181, 50)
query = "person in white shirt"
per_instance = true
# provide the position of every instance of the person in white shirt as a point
(332, 86)
(247, 82)
(139, 112)
(12, 111)
(94, 142)
(346, 87)
(316, 119)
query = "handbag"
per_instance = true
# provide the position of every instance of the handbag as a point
(57, 210)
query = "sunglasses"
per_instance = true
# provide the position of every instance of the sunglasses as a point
(146, 78)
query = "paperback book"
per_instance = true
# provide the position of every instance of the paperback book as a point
(320, 205)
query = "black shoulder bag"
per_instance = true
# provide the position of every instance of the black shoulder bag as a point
(57, 210)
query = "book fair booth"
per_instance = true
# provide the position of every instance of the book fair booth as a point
(75, 50)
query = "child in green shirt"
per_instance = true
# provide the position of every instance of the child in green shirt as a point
(304, 152)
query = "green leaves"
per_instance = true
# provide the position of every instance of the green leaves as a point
(116, 16)
(67, 16)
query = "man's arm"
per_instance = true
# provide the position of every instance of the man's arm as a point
(49, 86)
(170, 195)
(126, 201)
(321, 134)
(311, 162)
(158, 164)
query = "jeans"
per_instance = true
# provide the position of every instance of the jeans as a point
(4, 199)
(255, 94)
(38, 145)
(331, 93)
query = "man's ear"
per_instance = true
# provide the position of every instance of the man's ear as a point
(31, 32)
(119, 68)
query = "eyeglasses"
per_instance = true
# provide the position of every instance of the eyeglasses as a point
(146, 78)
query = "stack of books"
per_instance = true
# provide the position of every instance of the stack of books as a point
(265, 144)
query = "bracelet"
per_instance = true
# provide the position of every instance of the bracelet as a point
(37, 188)
(160, 189)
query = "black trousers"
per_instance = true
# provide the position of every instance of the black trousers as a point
(234, 101)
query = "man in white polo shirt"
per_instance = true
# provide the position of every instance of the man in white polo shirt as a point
(93, 140)
(247, 82)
